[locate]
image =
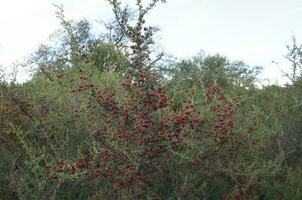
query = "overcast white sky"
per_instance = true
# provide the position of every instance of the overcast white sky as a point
(255, 31)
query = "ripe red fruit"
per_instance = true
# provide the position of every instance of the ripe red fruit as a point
(53, 178)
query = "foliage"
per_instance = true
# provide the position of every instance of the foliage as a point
(100, 120)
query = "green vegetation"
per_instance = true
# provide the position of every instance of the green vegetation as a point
(108, 118)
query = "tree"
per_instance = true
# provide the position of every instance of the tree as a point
(73, 45)
(294, 56)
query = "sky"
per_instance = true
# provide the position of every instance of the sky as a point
(254, 31)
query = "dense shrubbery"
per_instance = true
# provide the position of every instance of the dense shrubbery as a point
(101, 120)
